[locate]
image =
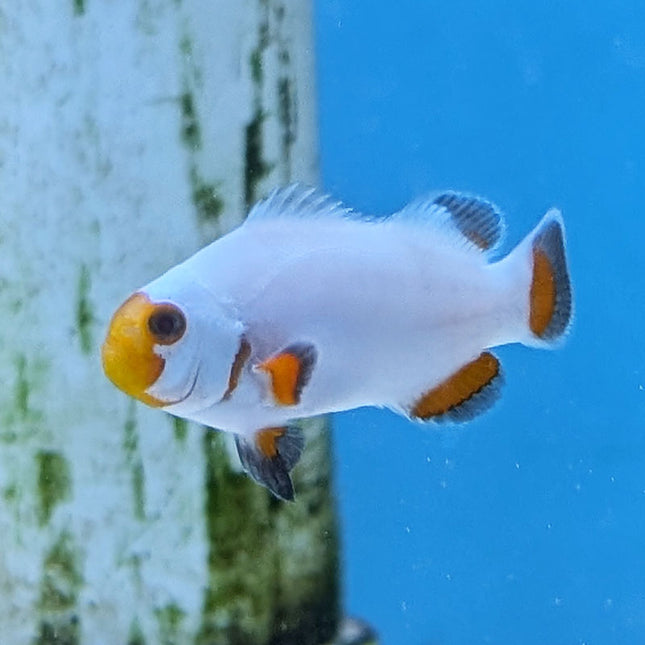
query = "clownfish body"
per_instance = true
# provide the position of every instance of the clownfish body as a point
(309, 308)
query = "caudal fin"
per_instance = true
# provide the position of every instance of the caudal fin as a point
(550, 297)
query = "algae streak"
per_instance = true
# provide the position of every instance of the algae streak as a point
(255, 167)
(84, 315)
(287, 119)
(190, 130)
(21, 390)
(169, 619)
(136, 636)
(180, 428)
(54, 483)
(78, 7)
(131, 449)
(208, 204)
(60, 585)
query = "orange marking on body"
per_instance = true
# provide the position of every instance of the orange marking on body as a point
(266, 441)
(241, 357)
(284, 371)
(469, 380)
(542, 297)
(128, 355)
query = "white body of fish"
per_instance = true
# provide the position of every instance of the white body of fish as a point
(392, 307)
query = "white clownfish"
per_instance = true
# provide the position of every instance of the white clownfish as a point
(309, 308)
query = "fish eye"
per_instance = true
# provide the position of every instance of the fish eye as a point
(167, 324)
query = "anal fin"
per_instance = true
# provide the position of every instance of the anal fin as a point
(471, 390)
(270, 455)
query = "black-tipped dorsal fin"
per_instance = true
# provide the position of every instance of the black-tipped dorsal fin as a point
(477, 219)
(471, 390)
(472, 220)
(299, 200)
(270, 455)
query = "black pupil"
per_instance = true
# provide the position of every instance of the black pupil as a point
(167, 324)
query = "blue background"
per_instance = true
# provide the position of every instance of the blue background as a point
(528, 524)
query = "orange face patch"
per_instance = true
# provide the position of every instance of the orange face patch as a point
(542, 297)
(128, 356)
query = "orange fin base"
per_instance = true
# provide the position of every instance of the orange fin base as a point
(550, 297)
(290, 371)
(266, 441)
(542, 293)
(468, 392)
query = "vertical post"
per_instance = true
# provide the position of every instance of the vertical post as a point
(131, 133)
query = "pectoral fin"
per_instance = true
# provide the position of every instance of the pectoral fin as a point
(471, 390)
(270, 455)
(290, 371)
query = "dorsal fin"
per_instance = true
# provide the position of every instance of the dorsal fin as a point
(475, 221)
(299, 200)
(463, 219)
